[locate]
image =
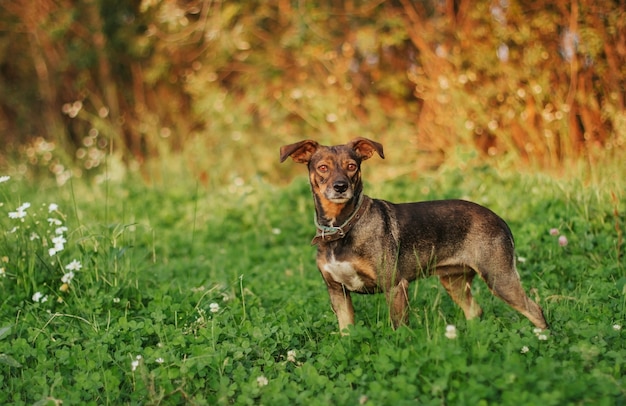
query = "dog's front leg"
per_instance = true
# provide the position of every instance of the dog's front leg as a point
(342, 305)
(398, 299)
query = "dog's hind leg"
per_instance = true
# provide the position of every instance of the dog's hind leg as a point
(458, 283)
(507, 286)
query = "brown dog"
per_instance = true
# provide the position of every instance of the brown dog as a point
(367, 245)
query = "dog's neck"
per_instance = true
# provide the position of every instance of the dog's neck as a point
(336, 228)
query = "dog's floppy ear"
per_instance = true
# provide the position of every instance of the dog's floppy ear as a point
(300, 152)
(365, 148)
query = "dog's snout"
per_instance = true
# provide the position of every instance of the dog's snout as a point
(340, 186)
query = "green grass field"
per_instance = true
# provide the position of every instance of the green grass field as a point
(174, 294)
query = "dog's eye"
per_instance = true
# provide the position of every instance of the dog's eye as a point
(352, 167)
(323, 168)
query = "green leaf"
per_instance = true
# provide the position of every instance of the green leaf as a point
(9, 360)
(4, 331)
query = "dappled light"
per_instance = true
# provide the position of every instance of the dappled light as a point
(541, 83)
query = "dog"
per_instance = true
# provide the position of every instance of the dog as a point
(367, 245)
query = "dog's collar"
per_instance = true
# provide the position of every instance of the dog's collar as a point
(331, 233)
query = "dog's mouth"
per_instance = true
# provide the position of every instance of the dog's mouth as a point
(339, 198)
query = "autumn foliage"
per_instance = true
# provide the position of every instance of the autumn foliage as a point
(541, 80)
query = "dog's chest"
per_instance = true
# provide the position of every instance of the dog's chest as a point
(345, 273)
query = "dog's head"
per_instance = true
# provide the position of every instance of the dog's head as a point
(335, 171)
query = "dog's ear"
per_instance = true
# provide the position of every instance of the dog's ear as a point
(300, 152)
(365, 148)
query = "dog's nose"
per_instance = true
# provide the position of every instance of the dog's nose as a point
(340, 186)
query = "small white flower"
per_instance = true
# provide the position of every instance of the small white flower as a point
(53, 207)
(59, 239)
(67, 278)
(59, 243)
(20, 212)
(54, 222)
(524, 350)
(60, 230)
(134, 364)
(116, 300)
(159, 360)
(40, 297)
(214, 308)
(4, 178)
(52, 252)
(521, 260)
(542, 337)
(291, 356)
(262, 381)
(74, 266)
(451, 331)
(537, 330)
(34, 236)
(617, 327)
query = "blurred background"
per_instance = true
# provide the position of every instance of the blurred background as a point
(100, 88)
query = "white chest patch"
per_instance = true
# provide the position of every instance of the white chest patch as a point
(344, 273)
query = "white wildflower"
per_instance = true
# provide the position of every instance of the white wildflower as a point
(67, 278)
(60, 230)
(542, 337)
(159, 360)
(524, 350)
(135, 363)
(262, 381)
(617, 327)
(54, 222)
(291, 356)
(20, 212)
(40, 297)
(53, 207)
(214, 308)
(451, 331)
(4, 178)
(59, 243)
(74, 266)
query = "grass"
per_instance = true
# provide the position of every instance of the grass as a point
(186, 295)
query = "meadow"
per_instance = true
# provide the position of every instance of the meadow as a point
(127, 292)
